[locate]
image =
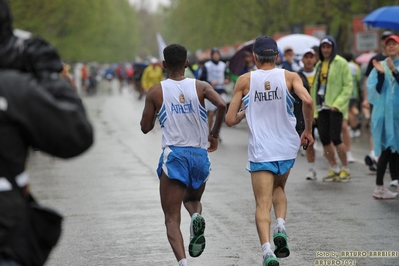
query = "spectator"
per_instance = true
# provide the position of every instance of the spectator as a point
(249, 62)
(288, 62)
(351, 124)
(316, 56)
(331, 92)
(38, 108)
(307, 74)
(370, 159)
(383, 94)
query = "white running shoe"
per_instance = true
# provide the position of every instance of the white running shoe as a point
(357, 133)
(311, 175)
(394, 183)
(349, 157)
(383, 193)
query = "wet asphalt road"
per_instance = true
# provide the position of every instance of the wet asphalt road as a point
(109, 198)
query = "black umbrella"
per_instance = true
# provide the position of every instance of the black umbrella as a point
(237, 62)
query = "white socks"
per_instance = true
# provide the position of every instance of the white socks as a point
(183, 262)
(336, 168)
(280, 222)
(266, 247)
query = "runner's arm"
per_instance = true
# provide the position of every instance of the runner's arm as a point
(234, 116)
(307, 106)
(217, 100)
(149, 113)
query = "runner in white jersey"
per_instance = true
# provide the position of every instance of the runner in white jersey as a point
(184, 165)
(273, 139)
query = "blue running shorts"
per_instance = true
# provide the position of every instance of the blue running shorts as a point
(189, 165)
(277, 167)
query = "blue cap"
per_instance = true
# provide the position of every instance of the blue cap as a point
(265, 46)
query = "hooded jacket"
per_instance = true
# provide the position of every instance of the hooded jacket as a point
(33, 55)
(339, 83)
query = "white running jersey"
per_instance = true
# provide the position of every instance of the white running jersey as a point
(269, 110)
(216, 72)
(184, 122)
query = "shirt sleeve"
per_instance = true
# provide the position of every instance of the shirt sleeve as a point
(50, 115)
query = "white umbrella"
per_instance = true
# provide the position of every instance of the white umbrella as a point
(298, 42)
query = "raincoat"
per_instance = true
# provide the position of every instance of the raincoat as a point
(385, 115)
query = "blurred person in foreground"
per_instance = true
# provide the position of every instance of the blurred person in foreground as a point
(38, 108)
(184, 165)
(383, 94)
(269, 111)
(331, 91)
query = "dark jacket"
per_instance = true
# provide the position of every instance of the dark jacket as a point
(47, 115)
(38, 108)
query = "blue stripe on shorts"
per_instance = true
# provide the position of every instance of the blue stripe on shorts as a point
(189, 165)
(277, 167)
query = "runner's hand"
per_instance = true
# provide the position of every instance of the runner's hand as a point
(306, 139)
(214, 142)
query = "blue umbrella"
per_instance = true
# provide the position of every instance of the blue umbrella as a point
(384, 17)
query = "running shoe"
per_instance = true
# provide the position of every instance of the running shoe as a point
(394, 183)
(383, 193)
(344, 175)
(280, 241)
(332, 176)
(371, 163)
(269, 259)
(197, 238)
(311, 175)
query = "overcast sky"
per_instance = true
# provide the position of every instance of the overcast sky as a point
(152, 4)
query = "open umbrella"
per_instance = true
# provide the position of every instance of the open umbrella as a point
(298, 42)
(237, 63)
(384, 17)
(364, 58)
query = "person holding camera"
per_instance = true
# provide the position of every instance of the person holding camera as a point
(38, 108)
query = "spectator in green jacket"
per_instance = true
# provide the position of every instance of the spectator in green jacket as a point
(331, 92)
